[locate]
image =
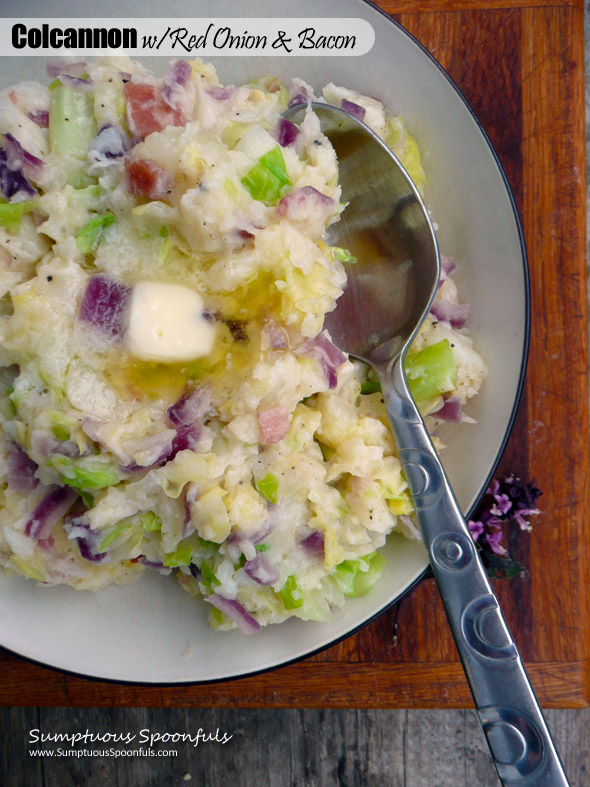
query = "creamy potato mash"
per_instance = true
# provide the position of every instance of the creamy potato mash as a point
(169, 398)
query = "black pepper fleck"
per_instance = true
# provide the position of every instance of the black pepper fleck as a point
(50, 278)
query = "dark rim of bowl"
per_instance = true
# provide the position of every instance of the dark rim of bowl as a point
(484, 486)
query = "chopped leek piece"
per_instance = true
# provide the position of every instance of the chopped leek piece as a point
(114, 534)
(89, 237)
(343, 254)
(268, 181)
(85, 473)
(431, 371)
(370, 387)
(209, 578)
(182, 556)
(72, 125)
(269, 487)
(352, 580)
(290, 594)
(10, 215)
(150, 521)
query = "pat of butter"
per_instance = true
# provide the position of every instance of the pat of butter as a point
(166, 323)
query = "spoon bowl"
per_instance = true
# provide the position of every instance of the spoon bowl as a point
(387, 229)
(389, 292)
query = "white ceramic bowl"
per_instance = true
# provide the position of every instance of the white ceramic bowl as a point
(153, 632)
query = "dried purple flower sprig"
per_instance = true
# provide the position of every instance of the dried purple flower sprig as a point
(508, 502)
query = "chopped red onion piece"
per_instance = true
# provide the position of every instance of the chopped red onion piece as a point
(13, 181)
(108, 143)
(88, 541)
(40, 117)
(236, 612)
(274, 424)
(314, 544)
(447, 311)
(49, 511)
(285, 132)
(17, 156)
(76, 82)
(165, 570)
(276, 336)
(61, 65)
(187, 437)
(298, 98)
(221, 93)
(191, 407)
(179, 73)
(103, 305)
(447, 268)
(322, 349)
(261, 570)
(353, 109)
(175, 81)
(20, 469)
(298, 204)
(452, 410)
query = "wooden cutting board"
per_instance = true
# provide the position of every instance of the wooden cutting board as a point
(520, 65)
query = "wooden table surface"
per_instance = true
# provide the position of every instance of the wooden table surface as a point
(520, 65)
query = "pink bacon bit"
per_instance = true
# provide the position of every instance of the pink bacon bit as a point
(146, 178)
(274, 424)
(147, 111)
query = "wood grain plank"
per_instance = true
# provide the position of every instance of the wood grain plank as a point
(436, 6)
(305, 685)
(555, 230)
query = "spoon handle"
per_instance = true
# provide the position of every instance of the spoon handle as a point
(509, 712)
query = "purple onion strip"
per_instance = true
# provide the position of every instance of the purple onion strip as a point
(353, 109)
(20, 470)
(76, 82)
(236, 612)
(452, 411)
(261, 570)
(49, 511)
(60, 65)
(40, 117)
(191, 407)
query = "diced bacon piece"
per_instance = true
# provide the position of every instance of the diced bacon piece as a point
(274, 424)
(148, 179)
(147, 111)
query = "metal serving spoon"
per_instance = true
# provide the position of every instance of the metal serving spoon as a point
(388, 295)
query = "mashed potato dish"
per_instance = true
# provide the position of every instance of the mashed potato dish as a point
(169, 398)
